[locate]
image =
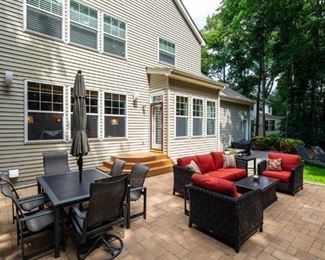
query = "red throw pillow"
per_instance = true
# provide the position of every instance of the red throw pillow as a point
(215, 184)
(206, 163)
(217, 159)
(289, 161)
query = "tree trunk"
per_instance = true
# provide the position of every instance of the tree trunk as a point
(262, 71)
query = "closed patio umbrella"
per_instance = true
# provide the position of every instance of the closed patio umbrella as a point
(80, 145)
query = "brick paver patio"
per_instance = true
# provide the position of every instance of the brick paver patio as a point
(293, 229)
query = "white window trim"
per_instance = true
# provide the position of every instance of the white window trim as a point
(70, 113)
(126, 137)
(41, 34)
(215, 117)
(125, 40)
(188, 117)
(26, 141)
(88, 27)
(157, 94)
(165, 63)
(201, 117)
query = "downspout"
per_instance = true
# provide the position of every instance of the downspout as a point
(218, 121)
(168, 117)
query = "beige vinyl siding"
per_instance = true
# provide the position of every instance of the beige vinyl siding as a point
(182, 146)
(231, 116)
(37, 58)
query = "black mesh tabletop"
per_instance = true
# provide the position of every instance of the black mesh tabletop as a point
(64, 189)
(263, 183)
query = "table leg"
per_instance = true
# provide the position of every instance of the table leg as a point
(56, 232)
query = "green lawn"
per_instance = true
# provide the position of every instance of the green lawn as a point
(314, 174)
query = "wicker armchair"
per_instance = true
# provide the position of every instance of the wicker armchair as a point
(231, 220)
(295, 182)
(182, 176)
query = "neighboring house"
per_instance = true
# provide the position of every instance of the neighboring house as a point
(142, 65)
(271, 121)
(234, 117)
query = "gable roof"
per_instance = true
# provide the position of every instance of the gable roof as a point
(199, 81)
(190, 21)
(231, 95)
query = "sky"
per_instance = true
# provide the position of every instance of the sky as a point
(200, 9)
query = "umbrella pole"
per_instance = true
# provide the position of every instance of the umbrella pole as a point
(80, 164)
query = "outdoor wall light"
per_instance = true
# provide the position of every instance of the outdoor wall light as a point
(135, 96)
(144, 109)
(8, 78)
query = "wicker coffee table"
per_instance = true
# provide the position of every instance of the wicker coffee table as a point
(266, 184)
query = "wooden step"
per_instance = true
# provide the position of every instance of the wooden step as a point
(157, 162)
(108, 163)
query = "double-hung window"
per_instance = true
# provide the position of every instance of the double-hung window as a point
(92, 113)
(45, 114)
(270, 125)
(197, 128)
(167, 51)
(83, 25)
(114, 36)
(181, 116)
(115, 115)
(45, 17)
(211, 118)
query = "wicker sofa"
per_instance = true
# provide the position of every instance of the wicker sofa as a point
(211, 164)
(232, 219)
(291, 176)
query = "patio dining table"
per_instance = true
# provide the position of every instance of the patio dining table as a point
(66, 190)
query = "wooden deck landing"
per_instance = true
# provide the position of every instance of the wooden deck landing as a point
(158, 162)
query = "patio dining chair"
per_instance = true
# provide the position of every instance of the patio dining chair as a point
(117, 167)
(107, 208)
(136, 189)
(27, 204)
(55, 162)
(319, 152)
(29, 224)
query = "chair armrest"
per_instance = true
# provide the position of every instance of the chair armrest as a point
(241, 163)
(34, 198)
(296, 175)
(182, 177)
(136, 189)
(36, 215)
(261, 166)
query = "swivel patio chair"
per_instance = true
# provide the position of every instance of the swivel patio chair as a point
(136, 180)
(55, 162)
(290, 175)
(29, 224)
(27, 204)
(107, 208)
(117, 167)
(319, 152)
(307, 159)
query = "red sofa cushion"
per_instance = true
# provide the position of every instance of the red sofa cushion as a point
(206, 163)
(217, 159)
(230, 174)
(282, 176)
(215, 184)
(186, 160)
(289, 161)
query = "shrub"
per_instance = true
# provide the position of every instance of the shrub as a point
(275, 143)
(288, 145)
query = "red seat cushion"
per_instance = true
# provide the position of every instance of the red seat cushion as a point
(230, 174)
(289, 161)
(206, 163)
(217, 159)
(282, 176)
(215, 184)
(186, 160)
